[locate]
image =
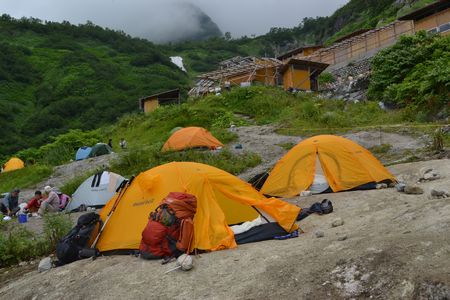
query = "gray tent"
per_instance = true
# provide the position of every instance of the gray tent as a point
(96, 190)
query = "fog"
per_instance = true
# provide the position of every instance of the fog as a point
(159, 19)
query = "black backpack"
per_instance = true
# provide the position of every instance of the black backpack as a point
(69, 247)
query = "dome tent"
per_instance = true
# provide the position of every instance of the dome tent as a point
(191, 137)
(100, 149)
(13, 164)
(83, 153)
(222, 200)
(95, 191)
(345, 165)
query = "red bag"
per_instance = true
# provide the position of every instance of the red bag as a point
(158, 240)
(170, 228)
(186, 235)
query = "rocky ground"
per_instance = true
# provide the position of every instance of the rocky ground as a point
(390, 245)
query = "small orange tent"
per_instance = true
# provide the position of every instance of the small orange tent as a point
(222, 200)
(13, 164)
(191, 137)
(344, 163)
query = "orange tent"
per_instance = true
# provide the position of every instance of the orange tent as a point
(344, 163)
(13, 164)
(191, 137)
(222, 200)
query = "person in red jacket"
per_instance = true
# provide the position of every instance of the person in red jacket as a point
(34, 203)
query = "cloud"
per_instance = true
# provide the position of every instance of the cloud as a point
(155, 19)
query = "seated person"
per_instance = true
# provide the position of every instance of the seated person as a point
(35, 202)
(10, 204)
(63, 200)
(50, 202)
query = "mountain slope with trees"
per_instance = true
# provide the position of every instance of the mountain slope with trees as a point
(57, 76)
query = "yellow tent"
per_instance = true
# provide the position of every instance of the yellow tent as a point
(13, 164)
(222, 200)
(344, 163)
(191, 137)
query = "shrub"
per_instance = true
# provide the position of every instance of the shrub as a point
(413, 73)
(142, 159)
(326, 77)
(55, 227)
(19, 244)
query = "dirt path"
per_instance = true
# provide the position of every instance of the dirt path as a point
(391, 246)
(264, 141)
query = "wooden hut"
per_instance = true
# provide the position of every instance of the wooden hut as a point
(302, 74)
(150, 103)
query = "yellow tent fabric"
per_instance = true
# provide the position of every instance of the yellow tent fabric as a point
(222, 200)
(345, 165)
(13, 164)
(191, 137)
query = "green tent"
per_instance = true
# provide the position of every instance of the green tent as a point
(100, 149)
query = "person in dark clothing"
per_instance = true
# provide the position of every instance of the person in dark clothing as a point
(10, 204)
(110, 143)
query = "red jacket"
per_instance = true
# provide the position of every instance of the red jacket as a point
(34, 203)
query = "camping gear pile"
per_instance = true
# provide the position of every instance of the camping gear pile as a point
(70, 247)
(170, 228)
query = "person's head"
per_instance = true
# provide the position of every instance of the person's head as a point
(122, 139)
(110, 140)
(38, 194)
(47, 189)
(15, 192)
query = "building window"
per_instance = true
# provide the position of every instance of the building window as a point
(444, 27)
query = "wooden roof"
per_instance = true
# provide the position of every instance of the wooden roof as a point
(426, 11)
(240, 65)
(296, 51)
(172, 94)
(350, 35)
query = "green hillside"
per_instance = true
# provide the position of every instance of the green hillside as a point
(59, 76)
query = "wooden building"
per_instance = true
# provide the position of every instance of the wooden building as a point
(302, 74)
(299, 52)
(150, 103)
(432, 18)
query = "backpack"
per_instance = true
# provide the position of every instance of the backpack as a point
(170, 228)
(69, 247)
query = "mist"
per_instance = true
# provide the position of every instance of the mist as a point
(171, 20)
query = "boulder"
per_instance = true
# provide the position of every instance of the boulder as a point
(45, 264)
(337, 222)
(435, 193)
(400, 187)
(413, 190)
(342, 237)
(319, 234)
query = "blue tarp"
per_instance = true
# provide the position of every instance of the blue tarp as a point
(83, 153)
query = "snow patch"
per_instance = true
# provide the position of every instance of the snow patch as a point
(178, 61)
